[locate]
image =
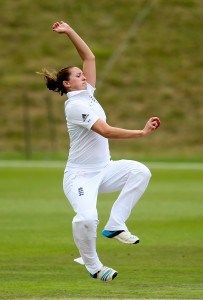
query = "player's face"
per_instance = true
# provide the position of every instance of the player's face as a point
(77, 80)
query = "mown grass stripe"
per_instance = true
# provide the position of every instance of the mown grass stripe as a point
(60, 164)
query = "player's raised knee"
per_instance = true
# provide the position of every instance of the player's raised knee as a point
(147, 173)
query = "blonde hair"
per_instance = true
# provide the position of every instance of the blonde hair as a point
(54, 80)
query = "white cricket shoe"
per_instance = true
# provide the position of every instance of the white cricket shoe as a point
(105, 274)
(121, 235)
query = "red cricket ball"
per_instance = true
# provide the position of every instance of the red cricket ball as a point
(157, 122)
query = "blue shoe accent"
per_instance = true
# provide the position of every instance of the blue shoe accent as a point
(111, 234)
(105, 274)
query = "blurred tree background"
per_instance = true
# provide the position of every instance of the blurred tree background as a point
(149, 63)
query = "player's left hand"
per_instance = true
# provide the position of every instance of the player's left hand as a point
(61, 27)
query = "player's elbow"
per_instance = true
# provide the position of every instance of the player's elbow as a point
(102, 128)
(107, 132)
(91, 57)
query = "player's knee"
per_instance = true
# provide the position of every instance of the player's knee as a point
(85, 229)
(88, 216)
(143, 171)
(146, 172)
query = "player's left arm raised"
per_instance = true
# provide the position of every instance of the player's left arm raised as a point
(87, 56)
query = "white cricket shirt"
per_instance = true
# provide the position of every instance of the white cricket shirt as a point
(88, 149)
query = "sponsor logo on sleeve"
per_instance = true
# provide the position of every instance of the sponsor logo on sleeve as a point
(84, 117)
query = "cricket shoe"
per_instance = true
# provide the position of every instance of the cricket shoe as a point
(105, 274)
(123, 236)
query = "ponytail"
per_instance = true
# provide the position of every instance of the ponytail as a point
(54, 80)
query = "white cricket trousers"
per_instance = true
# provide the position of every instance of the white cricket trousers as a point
(82, 186)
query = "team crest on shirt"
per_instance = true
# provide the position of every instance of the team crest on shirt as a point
(84, 117)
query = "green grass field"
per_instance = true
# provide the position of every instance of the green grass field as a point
(37, 248)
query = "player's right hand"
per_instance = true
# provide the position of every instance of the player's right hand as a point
(152, 124)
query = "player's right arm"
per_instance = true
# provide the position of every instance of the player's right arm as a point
(110, 132)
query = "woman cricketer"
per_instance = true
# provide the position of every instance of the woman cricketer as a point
(90, 170)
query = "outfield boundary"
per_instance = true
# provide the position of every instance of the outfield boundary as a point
(60, 164)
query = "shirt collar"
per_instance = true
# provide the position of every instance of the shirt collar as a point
(73, 93)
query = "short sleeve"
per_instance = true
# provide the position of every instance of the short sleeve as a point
(81, 115)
